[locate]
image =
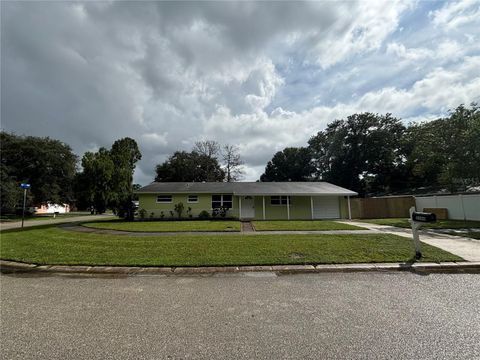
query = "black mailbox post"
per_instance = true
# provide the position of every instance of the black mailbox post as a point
(417, 219)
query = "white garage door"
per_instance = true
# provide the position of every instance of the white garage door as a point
(326, 207)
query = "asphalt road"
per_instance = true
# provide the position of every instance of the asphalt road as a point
(58, 220)
(311, 316)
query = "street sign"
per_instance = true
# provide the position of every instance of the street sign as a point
(25, 186)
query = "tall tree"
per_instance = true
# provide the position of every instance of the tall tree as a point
(362, 153)
(124, 154)
(94, 185)
(106, 180)
(10, 192)
(291, 164)
(446, 152)
(232, 163)
(189, 166)
(47, 164)
(209, 148)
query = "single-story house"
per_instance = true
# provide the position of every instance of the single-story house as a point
(249, 200)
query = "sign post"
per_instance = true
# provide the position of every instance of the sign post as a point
(24, 187)
(417, 219)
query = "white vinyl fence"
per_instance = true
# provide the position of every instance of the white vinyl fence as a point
(460, 207)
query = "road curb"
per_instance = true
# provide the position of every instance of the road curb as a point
(7, 266)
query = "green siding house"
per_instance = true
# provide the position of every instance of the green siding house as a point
(249, 200)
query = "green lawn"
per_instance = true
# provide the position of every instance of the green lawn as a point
(51, 245)
(440, 224)
(303, 225)
(167, 225)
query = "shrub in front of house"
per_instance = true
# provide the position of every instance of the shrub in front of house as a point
(220, 213)
(204, 215)
(179, 209)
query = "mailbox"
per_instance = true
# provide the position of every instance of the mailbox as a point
(424, 217)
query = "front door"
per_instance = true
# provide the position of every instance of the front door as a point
(248, 207)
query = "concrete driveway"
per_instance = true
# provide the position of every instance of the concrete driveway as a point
(467, 248)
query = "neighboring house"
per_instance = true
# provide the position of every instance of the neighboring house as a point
(249, 200)
(50, 208)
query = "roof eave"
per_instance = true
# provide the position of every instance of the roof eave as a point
(296, 194)
(247, 194)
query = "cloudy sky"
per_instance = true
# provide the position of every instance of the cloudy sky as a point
(261, 75)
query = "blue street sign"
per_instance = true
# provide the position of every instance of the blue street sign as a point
(25, 186)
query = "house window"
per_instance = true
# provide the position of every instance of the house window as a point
(219, 201)
(164, 198)
(280, 200)
(192, 199)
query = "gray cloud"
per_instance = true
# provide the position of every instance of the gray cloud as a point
(170, 73)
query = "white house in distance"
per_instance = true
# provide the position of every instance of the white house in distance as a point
(50, 208)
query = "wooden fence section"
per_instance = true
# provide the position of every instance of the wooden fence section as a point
(381, 207)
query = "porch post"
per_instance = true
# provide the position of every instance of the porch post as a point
(263, 202)
(349, 208)
(288, 207)
(311, 205)
(240, 207)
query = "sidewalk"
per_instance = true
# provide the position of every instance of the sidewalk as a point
(467, 248)
(60, 220)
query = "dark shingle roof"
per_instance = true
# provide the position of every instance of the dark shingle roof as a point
(247, 188)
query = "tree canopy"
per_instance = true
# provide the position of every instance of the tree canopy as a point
(47, 164)
(378, 154)
(124, 154)
(446, 151)
(189, 166)
(106, 180)
(290, 164)
(93, 185)
(232, 163)
(202, 164)
(363, 152)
